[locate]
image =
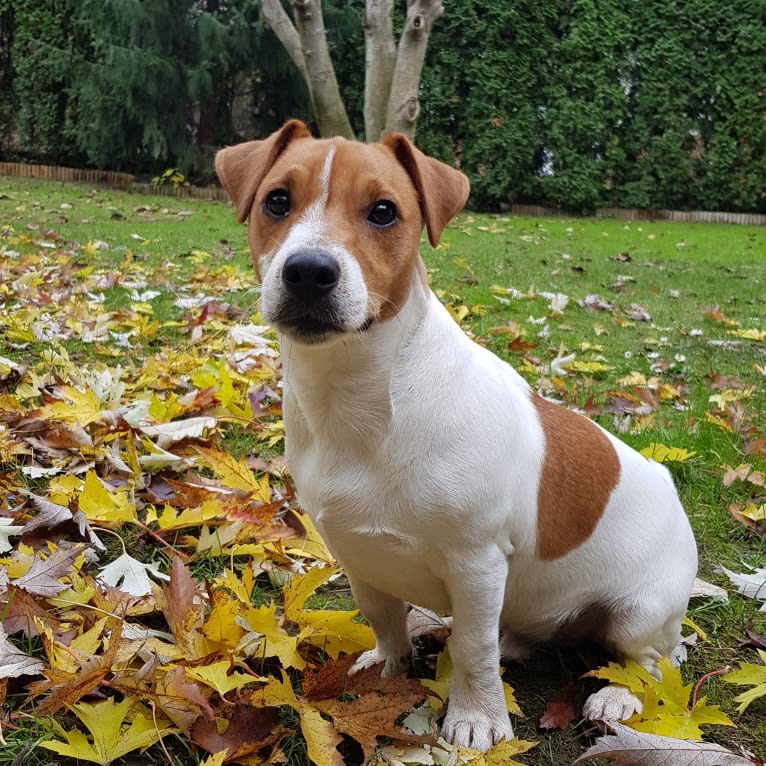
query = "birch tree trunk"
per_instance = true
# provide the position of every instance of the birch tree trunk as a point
(282, 26)
(306, 43)
(379, 61)
(392, 73)
(329, 110)
(403, 102)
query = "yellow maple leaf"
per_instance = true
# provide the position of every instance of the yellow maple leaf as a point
(83, 407)
(666, 704)
(216, 759)
(636, 677)
(749, 334)
(99, 504)
(662, 454)
(236, 473)
(171, 518)
(275, 641)
(79, 594)
(312, 546)
(242, 587)
(231, 389)
(300, 587)
(221, 677)
(320, 735)
(755, 512)
(590, 367)
(500, 754)
(111, 736)
(220, 627)
(749, 674)
(330, 630)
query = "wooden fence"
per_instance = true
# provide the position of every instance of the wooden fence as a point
(638, 214)
(127, 182)
(55, 173)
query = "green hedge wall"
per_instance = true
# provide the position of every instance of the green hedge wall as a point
(571, 103)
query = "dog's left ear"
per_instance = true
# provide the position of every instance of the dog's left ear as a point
(442, 190)
(241, 168)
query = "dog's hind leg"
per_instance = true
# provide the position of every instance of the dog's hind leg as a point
(388, 617)
(617, 703)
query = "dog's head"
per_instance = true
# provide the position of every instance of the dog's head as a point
(334, 225)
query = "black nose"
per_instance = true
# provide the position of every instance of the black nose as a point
(310, 275)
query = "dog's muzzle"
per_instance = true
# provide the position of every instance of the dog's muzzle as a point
(313, 307)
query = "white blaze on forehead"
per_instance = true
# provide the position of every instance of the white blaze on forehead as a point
(314, 213)
(310, 232)
(324, 177)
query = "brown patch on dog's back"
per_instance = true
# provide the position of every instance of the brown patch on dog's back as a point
(580, 470)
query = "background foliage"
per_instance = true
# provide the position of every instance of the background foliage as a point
(572, 103)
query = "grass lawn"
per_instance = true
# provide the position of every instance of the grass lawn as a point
(656, 330)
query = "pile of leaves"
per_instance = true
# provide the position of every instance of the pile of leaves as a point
(159, 586)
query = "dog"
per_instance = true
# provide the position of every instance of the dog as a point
(433, 471)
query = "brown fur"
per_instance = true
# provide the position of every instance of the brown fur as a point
(580, 471)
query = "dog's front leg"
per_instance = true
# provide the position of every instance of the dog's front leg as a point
(388, 617)
(477, 716)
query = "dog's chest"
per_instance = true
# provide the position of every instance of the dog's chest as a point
(364, 507)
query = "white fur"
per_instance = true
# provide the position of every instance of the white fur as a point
(417, 454)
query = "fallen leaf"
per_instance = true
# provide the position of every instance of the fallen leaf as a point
(111, 735)
(749, 584)
(240, 730)
(14, 662)
(130, 575)
(8, 530)
(627, 747)
(749, 674)
(43, 577)
(662, 454)
(221, 676)
(667, 708)
(562, 710)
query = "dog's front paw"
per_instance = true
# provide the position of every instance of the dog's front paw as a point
(478, 731)
(393, 665)
(612, 703)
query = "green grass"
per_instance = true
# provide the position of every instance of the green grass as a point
(492, 270)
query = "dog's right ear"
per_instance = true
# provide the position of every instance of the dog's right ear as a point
(241, 168)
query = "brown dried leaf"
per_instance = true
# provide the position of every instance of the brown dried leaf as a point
(42, 578)
(68, 688)
(19, 610)
(248, 730)
(562, 710)
(370, 704)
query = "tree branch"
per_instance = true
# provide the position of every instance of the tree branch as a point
(403, 103)
(379, 59)
(329, 110)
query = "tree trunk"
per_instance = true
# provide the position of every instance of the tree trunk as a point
(379, 59)
(392, 73)
(276, 17)
(403, 103)
(329, 110)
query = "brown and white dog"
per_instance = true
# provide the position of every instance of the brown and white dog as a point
(433, 471)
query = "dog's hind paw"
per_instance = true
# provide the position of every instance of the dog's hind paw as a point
(612, 703)
(478, 733)
(394, 666)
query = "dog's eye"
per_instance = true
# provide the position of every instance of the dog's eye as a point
(277, 203)
(383, 213)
